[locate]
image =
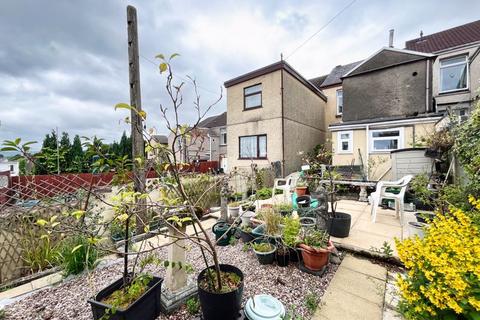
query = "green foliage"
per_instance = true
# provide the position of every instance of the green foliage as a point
(203, 190)
(77, 254)
(193, 305)
(317, 239)
(124, 297)
(291, 231)
(264, 193)
(3, 314)
(419, 186)
(385, 250)
(234, 204)
(311, 302)
(272, 221)
(262, 247)
(117, 229)
(283, 208)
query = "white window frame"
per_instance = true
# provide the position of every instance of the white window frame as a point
(450, 65)
(337, 92)
(223, 131)
(372, 139)
(340, 140)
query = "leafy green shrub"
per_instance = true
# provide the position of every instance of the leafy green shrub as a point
(291, 231)
(311, 302)
(264, 193)
(77, 254)
(203, 189)
(193, 305)
(263, 247)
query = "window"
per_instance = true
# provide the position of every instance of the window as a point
(252, 97)
(12, 168)
(223, 136)
(453, 74)
(345, 141)
(339, 102)
(386, 139)
(253, 147)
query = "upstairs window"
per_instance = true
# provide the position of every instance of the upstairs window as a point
(253, 147)
(386, 140)
(344, 141)
(223, 136)
(339, 102)
(252, 97)
(453, 74)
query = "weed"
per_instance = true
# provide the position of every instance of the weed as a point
(193, 305)
(385, 250)
(311, 301)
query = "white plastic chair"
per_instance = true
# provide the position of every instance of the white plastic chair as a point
(287, 185)
(381, 193)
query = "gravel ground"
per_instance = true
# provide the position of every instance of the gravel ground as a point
(68, 299)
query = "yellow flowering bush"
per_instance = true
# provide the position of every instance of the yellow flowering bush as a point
(443, 269)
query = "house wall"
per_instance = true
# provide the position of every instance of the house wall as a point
(7, 166)
(331, 106)
(380, 162)
(304, 121)
(265, 120)
(394, 91)
(460, 99)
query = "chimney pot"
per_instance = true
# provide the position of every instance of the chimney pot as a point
(390, 40)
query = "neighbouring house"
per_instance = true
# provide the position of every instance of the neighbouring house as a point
(387, 105)
(456, 70)
(9, 165)
(208, 142)
(156, 141)
(273, 115)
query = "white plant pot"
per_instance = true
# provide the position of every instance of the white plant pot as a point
(233, 212)
(416, 228)
(246, 217)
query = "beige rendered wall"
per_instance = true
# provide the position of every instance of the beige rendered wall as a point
(379, 162)
(304, 124)
(265, 120)
(331, 106)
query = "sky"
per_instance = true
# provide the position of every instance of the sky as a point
(64, 63)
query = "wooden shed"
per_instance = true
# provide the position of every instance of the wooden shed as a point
(410, 161)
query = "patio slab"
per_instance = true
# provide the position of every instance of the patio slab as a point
(357, 291)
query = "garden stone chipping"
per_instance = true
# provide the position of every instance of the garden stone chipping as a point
(68, 300)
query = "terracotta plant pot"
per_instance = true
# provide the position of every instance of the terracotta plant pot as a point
(315, 259)
(301, 191)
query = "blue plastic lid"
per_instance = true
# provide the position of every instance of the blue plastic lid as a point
(264, 307)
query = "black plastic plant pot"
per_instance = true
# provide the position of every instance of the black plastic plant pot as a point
(246, 236)
(221, 306)
(339, 225)
(266, 257)
(219, 230)
(295, 255)
(283, 259)
(425, 217)
(303, 201)
(147, 307)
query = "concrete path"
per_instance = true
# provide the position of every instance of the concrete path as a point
(357, 291)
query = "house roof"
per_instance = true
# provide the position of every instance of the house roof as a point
(160, 138)
(446, 39)
(219, 120)
(387, 57)
(280, 65)
(334, 77)
(317, 82)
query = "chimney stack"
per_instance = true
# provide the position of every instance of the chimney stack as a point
(390, 39)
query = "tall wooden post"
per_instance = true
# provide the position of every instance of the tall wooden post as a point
(138, 144)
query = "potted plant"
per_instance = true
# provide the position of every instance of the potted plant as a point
(290, 237)
(417, 229)
(246, 216)
(425, 217)
(271, 228)
(301, 188)
(233, 209)
(285, 209)
(249, 206)
(282, 255)
(316, 248)
(338, 224)
(265, 252)
(246, 234)
(307, 222)
(223, 233)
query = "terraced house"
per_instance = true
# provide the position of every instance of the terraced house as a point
(364, 110)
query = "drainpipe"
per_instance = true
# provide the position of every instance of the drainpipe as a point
(367, 153)
(209, 146)
(283, 126)
(427, 87)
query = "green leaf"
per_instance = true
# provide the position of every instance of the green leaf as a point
(123, 106)
(8, 149)
(42, 222)
(77, 247)
(166, 263)
(163, 67)
(17, 141)
(160, 56)
(174, 55)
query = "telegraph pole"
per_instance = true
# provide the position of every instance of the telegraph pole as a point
(138, 144)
